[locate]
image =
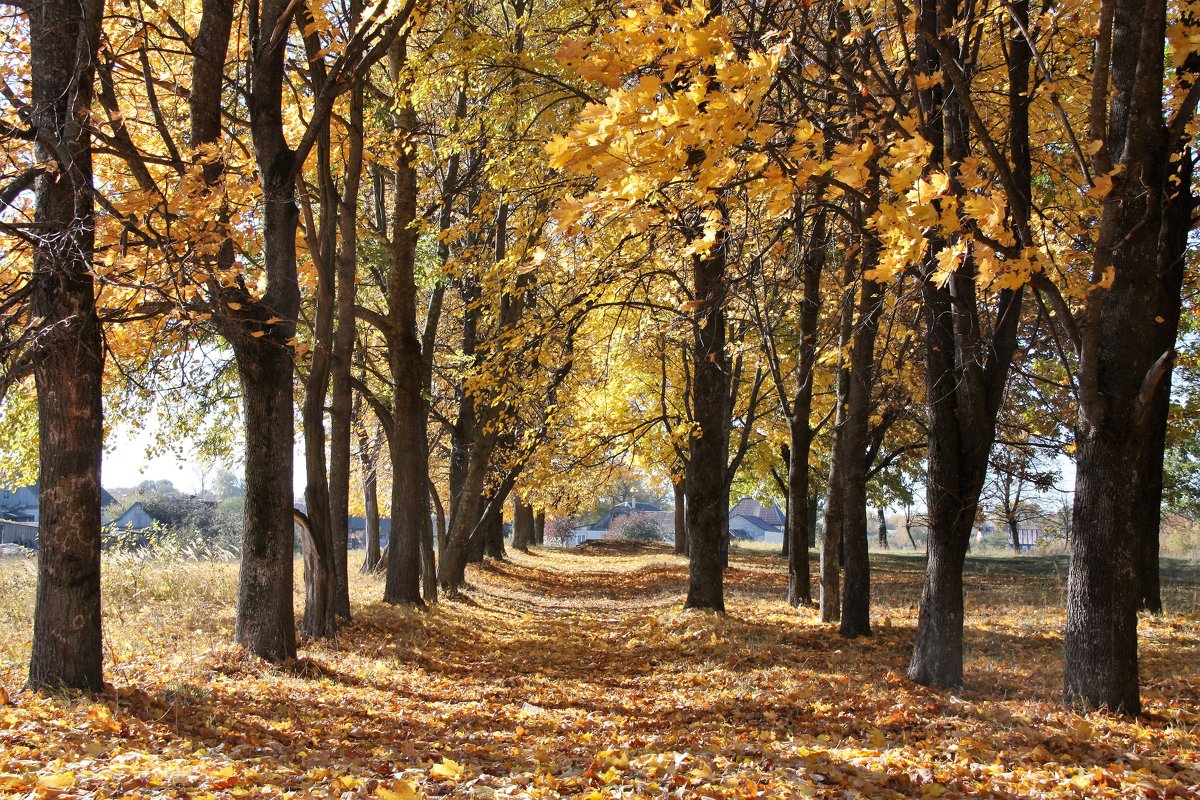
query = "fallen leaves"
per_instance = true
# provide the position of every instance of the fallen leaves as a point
(578, 674)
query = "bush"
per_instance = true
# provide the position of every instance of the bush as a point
(636, 527)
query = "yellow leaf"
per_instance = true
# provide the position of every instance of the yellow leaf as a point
(448, 770)
(399, 790)
(1094, 147)
(61, 780)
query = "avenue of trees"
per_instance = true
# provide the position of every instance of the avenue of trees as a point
(488, 256)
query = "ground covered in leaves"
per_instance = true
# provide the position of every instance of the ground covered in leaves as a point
(578, 674)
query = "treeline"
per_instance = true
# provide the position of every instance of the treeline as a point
(489, 250)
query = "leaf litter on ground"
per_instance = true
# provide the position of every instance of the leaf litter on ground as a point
(579, 674)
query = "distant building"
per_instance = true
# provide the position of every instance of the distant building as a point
(751, 520)
(19, 513)
(21, 533)
(1028, 538)
(20, 504)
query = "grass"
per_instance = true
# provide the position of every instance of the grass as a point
(578, 674)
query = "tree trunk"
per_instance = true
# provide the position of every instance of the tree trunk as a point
(1124, 365)
(410, 507)
(261, 333)
(795, 531)
(852, 455)
(265, 619)
(493, 540)
(429, 584)
(799, 505)
(68, 355)
(680, 517)
(966, 371)
(539, 527)
(523, 524)
(340, 395)
(708, 491)
(410, 463)
(1014, 533)
(883, 539)
(368, 455)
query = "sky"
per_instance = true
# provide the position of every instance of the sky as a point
(127, 463)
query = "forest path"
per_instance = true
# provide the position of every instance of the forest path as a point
(578, 674)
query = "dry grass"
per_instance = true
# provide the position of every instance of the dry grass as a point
(577, 674)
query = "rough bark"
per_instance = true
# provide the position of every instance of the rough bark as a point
(1123, 368)
(708, 490)
(539, 527)
(265, 619)
(68, 356)
(883, 537)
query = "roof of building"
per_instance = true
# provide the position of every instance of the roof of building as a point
(18, 497)
(749, 507)
(757, 522)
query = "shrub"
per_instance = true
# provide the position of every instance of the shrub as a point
(636, 527)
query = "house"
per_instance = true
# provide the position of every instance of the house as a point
(20, 503)
(18, 533)
(136, 518)
(1027, 538)
(754, 529)
(751, 520)
(19, 513)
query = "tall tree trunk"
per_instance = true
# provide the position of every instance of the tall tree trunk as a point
(1124, 369)
(341, 396)
(680, 517)
(856, 588)
(965, 371)
(831, 547)
(539, 526)
(261, 336)
(883, 539)
(800, 427)
(320, 571)
(410, 462)
(68, 355)
(708, 490)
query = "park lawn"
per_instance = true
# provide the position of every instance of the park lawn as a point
(578, 674)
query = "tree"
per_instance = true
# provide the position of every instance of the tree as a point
(67, 355)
